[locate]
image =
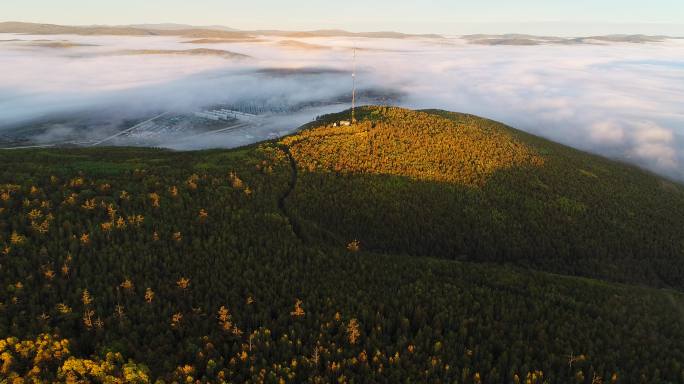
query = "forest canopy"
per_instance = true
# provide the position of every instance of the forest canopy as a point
(412, 246)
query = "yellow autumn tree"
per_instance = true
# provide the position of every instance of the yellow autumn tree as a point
(88, 313)
(353, 331)
(31, 361)
(183, 283)
(176, 319)
(354, 246)
(127, 285)
(298, 310)
(149, 295)
(17, 239)
(154, 199)
(113, 369)
(224, 318)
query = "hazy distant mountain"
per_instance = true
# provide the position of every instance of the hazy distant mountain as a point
(338, 32)
(230, 34)
(627, 38)
(176, 27)
(522, 39)
(188, 52)
(185, 30)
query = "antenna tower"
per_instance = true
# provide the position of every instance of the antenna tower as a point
(353, 111)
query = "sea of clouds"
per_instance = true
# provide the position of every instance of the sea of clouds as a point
(621, 100)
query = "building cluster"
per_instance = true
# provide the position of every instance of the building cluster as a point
(224, 114)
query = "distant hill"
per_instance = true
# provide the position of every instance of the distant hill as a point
(522, 39)
(187, 52)
(294, 44)
(52, 29)
(341, 33)
(217, 34)
(411, 246)
(46, 43)
(185, 31)
(176, 27)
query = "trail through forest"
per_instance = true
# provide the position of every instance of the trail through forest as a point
(290, 188)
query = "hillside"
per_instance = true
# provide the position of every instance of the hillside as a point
(484, 255)
(461, 187)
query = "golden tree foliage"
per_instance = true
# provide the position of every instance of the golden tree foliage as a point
(353, 331)
(235, 181)
(89, 205)
(224, 315)
(106, 226)
(42, 227)
(71, 199)
(135, 220)
(63, 308)
(415, 144)
(88, 318)
(31, 360)
(113, 369)
(154, 199)
(183, 283)
(354, 246)
(176, 319)
(48, 273)
(298, 310)
(35, 214)
(192, 181)
(17, 239)
(86, 298)
(121, 223)
(127, 285)
(149, 295)
(111, 212)
(76, 182)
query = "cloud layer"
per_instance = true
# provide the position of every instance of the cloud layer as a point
(621, 100)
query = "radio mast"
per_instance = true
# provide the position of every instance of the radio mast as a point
(353, 112)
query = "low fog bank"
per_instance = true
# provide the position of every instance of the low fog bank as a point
(621, 100)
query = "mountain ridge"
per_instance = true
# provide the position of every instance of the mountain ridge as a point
(191, 31)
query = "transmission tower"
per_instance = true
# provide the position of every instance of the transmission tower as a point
(353, 109)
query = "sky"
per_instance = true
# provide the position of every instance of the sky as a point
(557, 17)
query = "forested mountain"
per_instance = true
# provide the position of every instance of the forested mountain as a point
(461, 187)
(409, 247)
